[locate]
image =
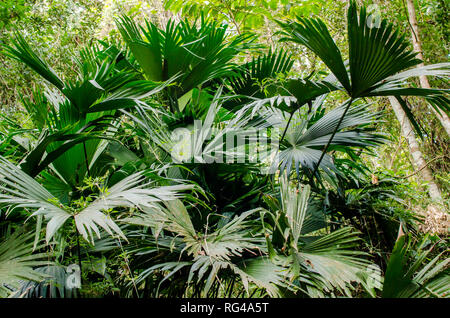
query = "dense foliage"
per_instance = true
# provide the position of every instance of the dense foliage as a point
(117, 177)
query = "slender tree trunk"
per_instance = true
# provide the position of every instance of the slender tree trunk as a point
(442, 116)
(418, 159)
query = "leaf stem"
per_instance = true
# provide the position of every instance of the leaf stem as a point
(347, 107)
(86, 159)
(287, 126)
(79, 254)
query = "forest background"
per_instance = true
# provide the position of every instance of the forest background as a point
(417, 168)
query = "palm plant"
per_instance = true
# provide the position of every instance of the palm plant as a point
(378, 62)
(412, 272)
(195, 55)
(229, 256)
(306, 133)
(195, 140)
(198, 263)
(74, 119)
(249, 82)
(17, 262)
(242, 87)
(105, 162)
(318, 263)
(22, 191)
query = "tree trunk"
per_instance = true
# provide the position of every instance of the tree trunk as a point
(442, 116)
(418, 159)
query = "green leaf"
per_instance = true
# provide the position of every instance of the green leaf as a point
(17, 262)
(314, 34)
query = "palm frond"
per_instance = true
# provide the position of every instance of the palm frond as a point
(21, 51)
(301, 147)
(22, 191)
(54, 285)
(375, 53)
(336, 259)
(17, 262)
(313, 34)
(409, 275)
(199, 54)
(248, 80)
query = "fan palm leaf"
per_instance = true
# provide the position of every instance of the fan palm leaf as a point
(17, 262)
(411, 276)
(197, 54)
(251, 76)
(22, 191)
(321, 263)
(211, 252)
(87, 103)
(302, 145)
(313, 33)
(379, 58)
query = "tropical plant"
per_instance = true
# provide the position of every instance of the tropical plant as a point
(365, 75)
(73, 120)
(319, 263)
(188, 160)
(17, 262)
(195, 55)
(22, 191)
(414, 272)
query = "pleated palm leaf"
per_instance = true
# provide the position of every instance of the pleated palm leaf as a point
(413, 273)
(17, 262)
(319, 264)
(19, 190)
(257, 79)
(250, 77)
(205, 263)
(73, 117)
(203, 139)
(197, 55)
(378, 64)
(55, 284)
(305, 134)
(298, 258)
